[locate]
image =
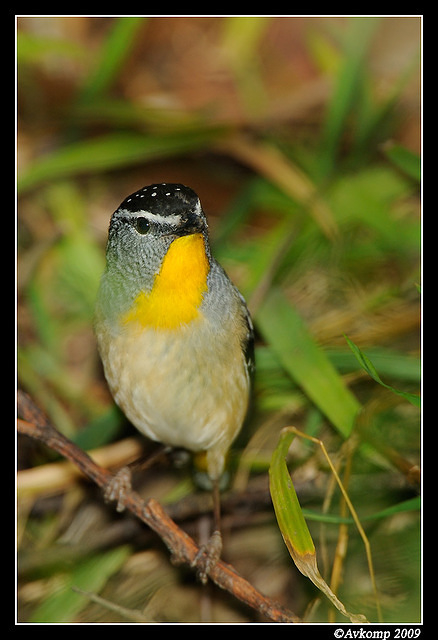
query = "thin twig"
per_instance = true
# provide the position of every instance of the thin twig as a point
(33, 423)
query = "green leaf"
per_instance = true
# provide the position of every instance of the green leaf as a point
(287, 509)
(293, 526)
(33, 50)
(306, 362)
(64, 604)
(405, 160)
(368, 366)
(390, 363)
(412, 504)
(359, 35)
(101, 430)
(241, 37)
(113, 54)
(111, 151)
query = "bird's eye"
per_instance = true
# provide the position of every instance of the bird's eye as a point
(142, 225)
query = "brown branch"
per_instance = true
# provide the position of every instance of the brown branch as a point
(33, 423)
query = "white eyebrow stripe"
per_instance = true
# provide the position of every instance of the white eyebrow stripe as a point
(198, 208)
(155, 217)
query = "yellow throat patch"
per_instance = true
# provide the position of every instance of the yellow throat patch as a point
(178, 288)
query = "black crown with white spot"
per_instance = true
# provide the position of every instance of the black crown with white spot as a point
(162, 199)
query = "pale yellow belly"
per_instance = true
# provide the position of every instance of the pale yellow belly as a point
(181, 390)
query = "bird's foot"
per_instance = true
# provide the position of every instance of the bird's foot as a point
(207, 556)
(118, 487)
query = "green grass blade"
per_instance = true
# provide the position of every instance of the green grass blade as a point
(388, 362)
(293, 526)
(358, 37)
(368, 366)
(241, 36)
(113, 54)
(405, 160)
(412, 504)
(64, 604)
(305, 361)
(111, 151)
(33, 50)
(287, 509)
(240, 43)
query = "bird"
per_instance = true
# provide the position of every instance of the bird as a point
(174, 334)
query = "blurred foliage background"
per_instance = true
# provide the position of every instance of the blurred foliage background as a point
(302, 137)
